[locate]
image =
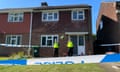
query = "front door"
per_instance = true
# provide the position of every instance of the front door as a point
(79, 44)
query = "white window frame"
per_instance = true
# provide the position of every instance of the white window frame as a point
(78, 14)
(12, 16)
(47, 18)
(14, 39)
(101, 25)
(48, 39)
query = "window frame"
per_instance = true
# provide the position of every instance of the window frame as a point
(83, 14)
(13, 39)
(18, 16)
(52, 16)
(46, 42)
(101, 25)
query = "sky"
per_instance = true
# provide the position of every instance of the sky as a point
(36, 3)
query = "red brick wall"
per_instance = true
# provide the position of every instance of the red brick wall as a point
(65, 24)
(14, 27)
(7, 51)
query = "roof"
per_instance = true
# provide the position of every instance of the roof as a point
(46, 8)
(63, 7)
(16, 9)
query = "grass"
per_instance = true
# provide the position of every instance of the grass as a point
(53, 68)
(3, 58)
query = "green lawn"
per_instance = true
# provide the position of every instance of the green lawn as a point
(53, 68)
(3, 58)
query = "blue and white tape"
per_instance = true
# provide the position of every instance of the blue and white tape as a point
(65, 60)
(13, 62)
(111, 58)
(76, 59)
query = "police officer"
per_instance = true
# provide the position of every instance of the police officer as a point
(70, 47)
(56, 46)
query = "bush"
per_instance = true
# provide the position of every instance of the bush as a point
(19, 55)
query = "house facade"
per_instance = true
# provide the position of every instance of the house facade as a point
(41, 26)
(108, 28)
(14, 30)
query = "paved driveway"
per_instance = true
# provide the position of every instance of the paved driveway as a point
(110, 67)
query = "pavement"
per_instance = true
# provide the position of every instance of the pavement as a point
(110, 67)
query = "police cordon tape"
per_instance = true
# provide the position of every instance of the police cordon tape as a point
(65, 60)
(13, 62)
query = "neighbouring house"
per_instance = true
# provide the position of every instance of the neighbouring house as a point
(108, 28)
(14, 30)
(36, 29)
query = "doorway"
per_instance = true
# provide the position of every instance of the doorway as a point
(79, 44)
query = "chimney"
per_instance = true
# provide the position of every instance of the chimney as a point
(44, 4)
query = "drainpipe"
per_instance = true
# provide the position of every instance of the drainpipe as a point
(30, 34)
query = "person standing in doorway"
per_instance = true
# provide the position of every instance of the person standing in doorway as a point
(70, 47)
(56, 47)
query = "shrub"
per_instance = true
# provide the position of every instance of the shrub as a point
(19, 55)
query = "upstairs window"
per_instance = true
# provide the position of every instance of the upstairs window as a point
(50, 16)
(15, 17)
(78, 15)
(13, 39)
(48, 40)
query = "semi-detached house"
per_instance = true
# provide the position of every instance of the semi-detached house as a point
(22, 29)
